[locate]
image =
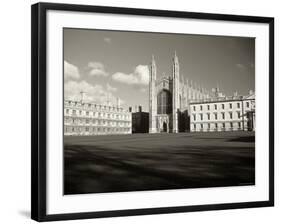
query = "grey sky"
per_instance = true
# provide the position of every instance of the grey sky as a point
(109, 64)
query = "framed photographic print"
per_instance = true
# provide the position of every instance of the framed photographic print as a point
(138, 111)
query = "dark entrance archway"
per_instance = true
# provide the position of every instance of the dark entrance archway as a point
(164, 127)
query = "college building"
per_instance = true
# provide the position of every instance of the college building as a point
(140, 120)
(175, 105)
(85, 118)
(223, 113)
(178, 105)
(169, 99)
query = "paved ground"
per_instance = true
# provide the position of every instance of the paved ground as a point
(95, 164)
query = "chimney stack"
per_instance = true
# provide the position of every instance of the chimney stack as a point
(117, 102)
(82, 96)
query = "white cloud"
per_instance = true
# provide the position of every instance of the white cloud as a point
(124, 78)
(93, 93)
(110, 88)
(97, 69)
(140, 76)
(107, 40)
(142, 72)
(70, 71)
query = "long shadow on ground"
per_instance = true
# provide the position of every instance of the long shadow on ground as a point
(134, 163)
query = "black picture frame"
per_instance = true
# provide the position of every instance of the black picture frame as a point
(39, 108)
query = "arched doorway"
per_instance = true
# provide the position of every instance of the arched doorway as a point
(164, 127)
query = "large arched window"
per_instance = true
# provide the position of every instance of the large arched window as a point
(164, 102)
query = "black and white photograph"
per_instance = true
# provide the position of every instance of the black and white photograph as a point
(139, 111)
(147, 111)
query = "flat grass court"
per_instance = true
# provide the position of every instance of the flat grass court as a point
(138, 162)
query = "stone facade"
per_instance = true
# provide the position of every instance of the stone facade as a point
(223, 114)
(178, 105)
(169, 99)
(85, 118)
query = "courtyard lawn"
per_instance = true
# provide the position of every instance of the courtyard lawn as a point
(95, 164)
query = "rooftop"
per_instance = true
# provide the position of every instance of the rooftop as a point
(223, 99)
(90, 104)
